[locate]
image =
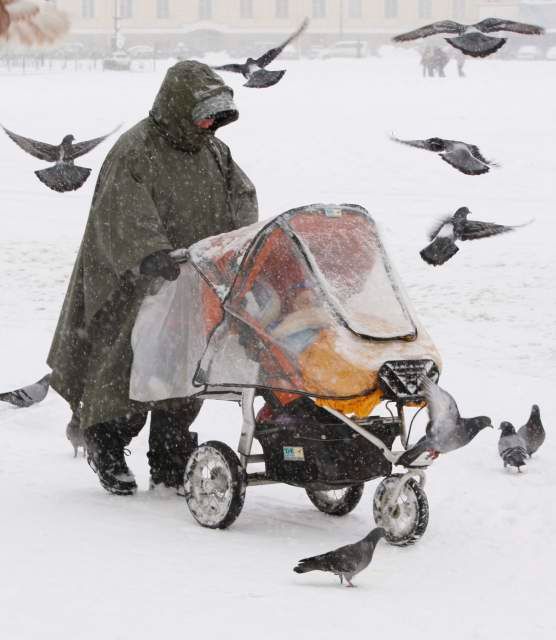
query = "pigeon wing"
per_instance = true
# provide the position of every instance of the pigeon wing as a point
(444, 26)
(463, 160)
(474, 230)
(438, 226)
(477, 153)
(81, 148)
(491, 25)
(419, 144)
(40, 150)
(343, 560)
(441, 406)
(32, 21)
(234, 68)
(272, 54)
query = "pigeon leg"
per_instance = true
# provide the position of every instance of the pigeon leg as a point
(349, 583)
(75, 449)
(341, 578)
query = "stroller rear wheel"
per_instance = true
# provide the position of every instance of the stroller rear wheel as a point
(405, 520)
(214, 485)
(336, 502)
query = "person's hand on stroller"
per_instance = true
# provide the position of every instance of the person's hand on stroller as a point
(160, 264)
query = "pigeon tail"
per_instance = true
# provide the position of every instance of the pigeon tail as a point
(439, 251)
(306, 565)
(514, 457)
(476, 44)
(63, 178)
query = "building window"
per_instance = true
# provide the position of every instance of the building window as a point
(162, 9)
(246, 8)
(87, 8)
(126, 9)
(205, 9)
(390, 8)
(355, 9)
(459, 8)
(425, 8)
(319, 8)
(282, 8)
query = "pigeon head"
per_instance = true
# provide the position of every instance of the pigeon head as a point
(507, 428)
(68, 139)
(461, 213)
(474, 425)
(375, 535)
(436, 144)
(535, 412)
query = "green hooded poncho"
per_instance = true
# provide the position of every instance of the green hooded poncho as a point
(165, 184)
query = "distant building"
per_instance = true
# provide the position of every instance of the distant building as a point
(233, 24)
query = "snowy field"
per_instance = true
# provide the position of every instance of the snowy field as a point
(78, 563)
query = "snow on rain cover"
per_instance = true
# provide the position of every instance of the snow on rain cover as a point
(306, 303)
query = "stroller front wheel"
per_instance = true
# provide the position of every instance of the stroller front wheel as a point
(406, 520)
(336, 502)
(214, 485)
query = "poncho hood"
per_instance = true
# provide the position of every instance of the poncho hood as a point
(191, 91)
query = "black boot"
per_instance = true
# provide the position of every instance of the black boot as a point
(106, 449)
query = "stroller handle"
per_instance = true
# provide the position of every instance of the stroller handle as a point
(180, 255)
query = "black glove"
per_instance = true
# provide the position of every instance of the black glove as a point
(160, 264)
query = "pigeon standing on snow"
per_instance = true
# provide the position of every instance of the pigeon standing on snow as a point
(254, 70)
(446, 430)
(31, 22)
(27, 396)
(458, 227)
(532, 431)
(470, 39)
(64, 175)
(511, 447)
(345, 562)
(464, 157)
(74, 433)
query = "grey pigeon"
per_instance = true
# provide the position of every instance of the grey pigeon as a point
(254, 71)
(470, 39)
(532, 431)
(446, 430)
(464, 157)
(511, 447)
(345, 562)
(74, 433)
(458, 227)
(64, 175)
(29, 395)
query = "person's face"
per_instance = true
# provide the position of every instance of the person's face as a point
(205, 123)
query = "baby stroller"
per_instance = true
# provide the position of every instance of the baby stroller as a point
(306, 311)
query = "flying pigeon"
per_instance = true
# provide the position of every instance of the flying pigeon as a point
(470, 39)
(511, 447)
(345, 562)
(465, 157)
(532, 431)
(458, 227)
(254, 70)
(31, 22)
(64, 175)
(446, 430)
(74, 433)
(29, 395)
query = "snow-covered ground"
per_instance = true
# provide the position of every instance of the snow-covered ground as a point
(78, 563)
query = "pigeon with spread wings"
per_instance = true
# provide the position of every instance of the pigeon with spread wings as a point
(458, 227)
(254, 70)
(466, 158)
(471, 39)
(31, 22)
(64, 175)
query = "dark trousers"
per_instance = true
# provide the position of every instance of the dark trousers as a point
(170, 442)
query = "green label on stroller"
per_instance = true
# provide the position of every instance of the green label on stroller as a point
(294, 454)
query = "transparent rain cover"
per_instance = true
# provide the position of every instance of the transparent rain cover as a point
(306, 303)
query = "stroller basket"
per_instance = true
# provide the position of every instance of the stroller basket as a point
(323, 455)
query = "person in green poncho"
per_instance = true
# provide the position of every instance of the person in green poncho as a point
(167, 183)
